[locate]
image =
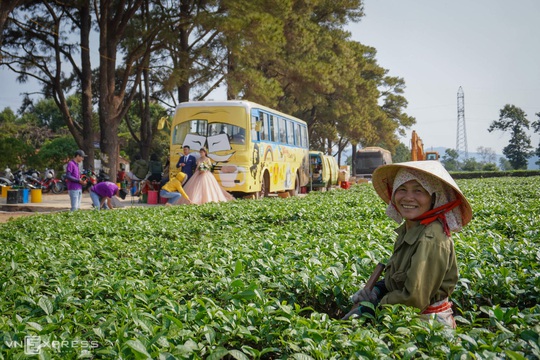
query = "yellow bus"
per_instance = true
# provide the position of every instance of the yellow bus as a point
(255, 150)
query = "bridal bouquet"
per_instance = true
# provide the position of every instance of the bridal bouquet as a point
(205, 166)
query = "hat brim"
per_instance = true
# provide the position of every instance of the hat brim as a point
(383, 181)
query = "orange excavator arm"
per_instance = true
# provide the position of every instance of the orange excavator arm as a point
(417, 148)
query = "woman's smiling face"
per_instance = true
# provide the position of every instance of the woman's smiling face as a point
(412, 200)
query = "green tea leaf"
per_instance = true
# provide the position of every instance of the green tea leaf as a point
(138, 347)
(238, 355)
(238, 268)
(46, 305)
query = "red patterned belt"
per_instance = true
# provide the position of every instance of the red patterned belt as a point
(438, 307)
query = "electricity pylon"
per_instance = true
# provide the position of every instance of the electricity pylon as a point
(461, 137)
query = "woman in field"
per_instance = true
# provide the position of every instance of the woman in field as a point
(203, 186)
(422, 271)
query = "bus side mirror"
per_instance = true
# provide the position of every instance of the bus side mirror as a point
(258, 126)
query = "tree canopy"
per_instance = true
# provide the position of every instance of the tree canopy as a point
(291, 55)
(514, 120)
(536, 127)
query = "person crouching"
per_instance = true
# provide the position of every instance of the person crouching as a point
(102, 193)
(173, 190)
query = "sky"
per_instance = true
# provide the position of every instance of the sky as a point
(488, 47)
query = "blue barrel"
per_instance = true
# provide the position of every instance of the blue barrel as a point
(24, 196)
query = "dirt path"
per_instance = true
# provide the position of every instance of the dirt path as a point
(6, 216)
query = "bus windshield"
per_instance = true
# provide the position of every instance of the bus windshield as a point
(236, 134)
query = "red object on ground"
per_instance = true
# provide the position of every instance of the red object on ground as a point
(345, 185)
(152, 197)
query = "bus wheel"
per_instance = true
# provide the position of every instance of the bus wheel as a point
(265, 186)
(296, 190)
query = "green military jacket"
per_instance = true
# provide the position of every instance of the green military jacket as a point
(140, 168)
(423, 267)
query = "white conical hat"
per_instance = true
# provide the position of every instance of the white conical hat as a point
(383, 181)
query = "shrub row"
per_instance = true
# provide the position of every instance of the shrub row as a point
(265, 279)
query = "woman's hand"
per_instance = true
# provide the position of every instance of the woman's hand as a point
(365, 295)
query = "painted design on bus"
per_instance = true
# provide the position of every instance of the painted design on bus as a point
(214, 144)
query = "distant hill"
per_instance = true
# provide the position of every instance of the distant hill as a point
(531, 165)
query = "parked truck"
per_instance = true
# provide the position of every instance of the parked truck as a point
(370, 158)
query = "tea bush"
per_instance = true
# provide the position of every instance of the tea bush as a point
(265, 279)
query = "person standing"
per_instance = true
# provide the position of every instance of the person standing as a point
(422, 272)
(74, 182)
(103, 192)
(155, 168)
(138, 172)
(173, 190)
(187, 163)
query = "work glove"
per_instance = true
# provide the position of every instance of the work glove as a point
(364, 294)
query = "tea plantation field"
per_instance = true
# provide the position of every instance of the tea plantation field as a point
(265, 279)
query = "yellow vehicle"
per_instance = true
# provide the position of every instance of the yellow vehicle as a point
(255, 150)
(417, 149)
(324, 170)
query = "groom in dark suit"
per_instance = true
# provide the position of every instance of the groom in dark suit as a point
(187, 163)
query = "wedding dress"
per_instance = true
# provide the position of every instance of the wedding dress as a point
(203, 187)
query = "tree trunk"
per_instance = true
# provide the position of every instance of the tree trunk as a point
(108, 102)
(184, 60)
(113, 102)
(86, 84)
(353, 162)
(146, 119)
(109, 150)
(146, 123)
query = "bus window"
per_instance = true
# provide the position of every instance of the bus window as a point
(282, 131)
(304, 137)
(273, 128)
(236, 134)
(297, 137)
(263, 134)
(217, 128)
(180, 131)
(290, 133)
(255, 123)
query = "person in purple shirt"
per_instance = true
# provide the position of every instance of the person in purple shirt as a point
(103, 192)
(74, 182)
